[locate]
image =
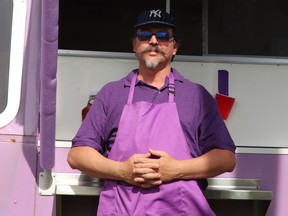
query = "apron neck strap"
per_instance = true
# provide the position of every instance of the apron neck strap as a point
(171, 88)
(132, 87)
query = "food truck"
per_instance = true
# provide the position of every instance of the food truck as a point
(54, 54)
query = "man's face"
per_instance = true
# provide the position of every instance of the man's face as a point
(154, 49)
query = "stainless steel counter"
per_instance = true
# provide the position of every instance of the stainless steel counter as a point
(226, 196)
(237, 197)
(237, 189)
(219, 188)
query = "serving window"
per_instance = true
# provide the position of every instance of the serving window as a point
(219, 27)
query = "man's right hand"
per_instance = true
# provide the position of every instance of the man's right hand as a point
(144, 176)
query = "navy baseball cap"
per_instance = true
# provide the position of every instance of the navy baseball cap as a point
(157, 16)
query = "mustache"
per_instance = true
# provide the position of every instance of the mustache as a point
(155, 48)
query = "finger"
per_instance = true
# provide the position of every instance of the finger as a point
(145, 160)
(147, 177)
(147, 165)
(157, 153)
(141, 171)
(136, 156)
(146, 186)
(141, 181)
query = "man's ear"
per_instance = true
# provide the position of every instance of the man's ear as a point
(133, 44)
(176, 47)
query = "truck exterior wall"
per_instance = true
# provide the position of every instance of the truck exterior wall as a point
(77, 76)
(245, 79)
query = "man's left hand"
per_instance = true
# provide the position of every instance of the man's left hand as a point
(167, 167)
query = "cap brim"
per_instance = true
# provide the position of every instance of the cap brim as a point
(154, 22)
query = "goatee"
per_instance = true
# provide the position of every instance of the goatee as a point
(151, 64)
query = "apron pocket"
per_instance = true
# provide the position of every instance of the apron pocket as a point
(165, 201)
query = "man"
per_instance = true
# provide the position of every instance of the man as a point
(154, 136)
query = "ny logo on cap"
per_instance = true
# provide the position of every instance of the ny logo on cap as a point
(155, 13)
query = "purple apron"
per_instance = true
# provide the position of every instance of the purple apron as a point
(142, 126)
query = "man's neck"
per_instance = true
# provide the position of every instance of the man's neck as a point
(154, 77)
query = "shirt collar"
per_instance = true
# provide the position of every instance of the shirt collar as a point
(177, 76)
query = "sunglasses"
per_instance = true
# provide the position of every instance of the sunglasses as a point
(160, 36)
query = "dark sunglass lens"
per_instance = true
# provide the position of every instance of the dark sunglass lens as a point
(162, 36)
(144, 35)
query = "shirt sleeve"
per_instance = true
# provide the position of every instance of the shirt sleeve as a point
(212, 130)
(91, 131)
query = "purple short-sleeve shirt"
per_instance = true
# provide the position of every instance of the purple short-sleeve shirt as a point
(199, 116)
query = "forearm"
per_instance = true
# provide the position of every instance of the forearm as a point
(91, 162)
(211, 164)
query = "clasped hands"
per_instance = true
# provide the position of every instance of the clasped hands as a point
(150, 170)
